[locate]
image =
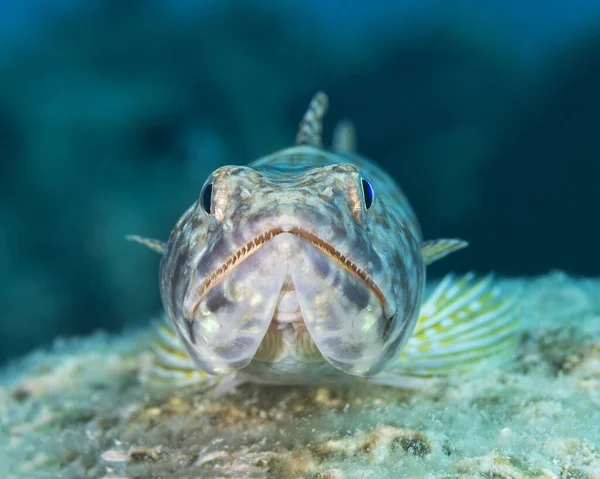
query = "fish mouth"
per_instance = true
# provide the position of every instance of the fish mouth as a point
(248, 249)
(286, 292)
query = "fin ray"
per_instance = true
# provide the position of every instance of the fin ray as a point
(464, 324)
(311, 127)
(172, 367)
(434, 250)
(155, 245)
(344, 137)
(469, 324)
(450, 302)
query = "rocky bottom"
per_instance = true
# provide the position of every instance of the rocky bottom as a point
(79, 411)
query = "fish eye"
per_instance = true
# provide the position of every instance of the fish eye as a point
(206, 195)
(368, 192)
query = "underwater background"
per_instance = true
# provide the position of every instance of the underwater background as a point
(113, 113)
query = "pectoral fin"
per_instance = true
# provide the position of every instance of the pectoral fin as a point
(436, 249)
(154, 244)
(465, 325)
(171, 367)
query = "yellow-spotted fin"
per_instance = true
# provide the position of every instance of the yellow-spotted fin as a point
(465, 324)
(171, 367)
(154, 244)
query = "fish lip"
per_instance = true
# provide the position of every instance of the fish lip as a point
(193, 297)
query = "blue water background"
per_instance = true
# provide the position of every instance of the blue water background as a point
(112, 114)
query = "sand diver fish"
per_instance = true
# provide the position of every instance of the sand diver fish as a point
(307, 266)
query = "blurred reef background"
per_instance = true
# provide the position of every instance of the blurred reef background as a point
(112, 114)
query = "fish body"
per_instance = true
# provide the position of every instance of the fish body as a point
(307, 266)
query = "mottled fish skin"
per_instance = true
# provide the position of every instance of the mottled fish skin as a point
(286, 275)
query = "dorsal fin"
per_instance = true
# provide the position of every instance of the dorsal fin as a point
(311, 127)
(344, 137)
(154, 244)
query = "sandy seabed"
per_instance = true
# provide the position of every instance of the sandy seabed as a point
(79, 411)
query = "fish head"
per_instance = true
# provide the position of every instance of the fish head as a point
(304, 244)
